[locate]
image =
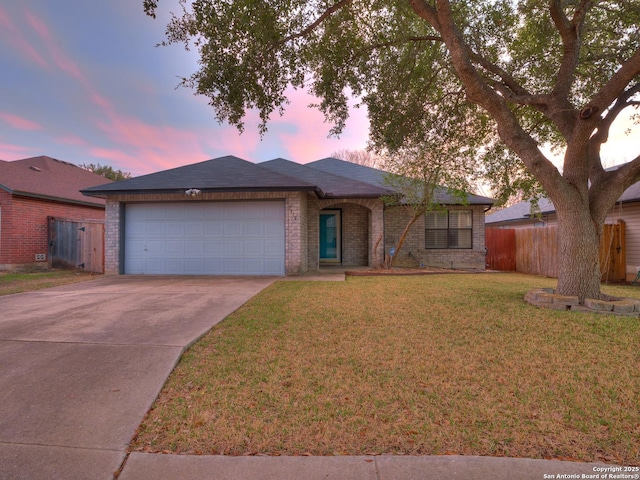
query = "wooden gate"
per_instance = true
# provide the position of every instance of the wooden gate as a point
(501, 249)
(76, 244)
(613, 259)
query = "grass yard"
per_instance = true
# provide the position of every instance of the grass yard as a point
(442, 364)
(18, 282)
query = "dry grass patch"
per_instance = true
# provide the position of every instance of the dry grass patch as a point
(406, 365)
(18, 282)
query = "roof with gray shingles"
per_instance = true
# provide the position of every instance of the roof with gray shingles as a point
(329, 178)
(520, 211)
(220, 174)
(333, 186)
(378, 178)
(50, 179)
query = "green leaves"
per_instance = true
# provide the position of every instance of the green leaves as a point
(539, 62)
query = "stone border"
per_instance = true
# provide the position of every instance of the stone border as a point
(548, 298)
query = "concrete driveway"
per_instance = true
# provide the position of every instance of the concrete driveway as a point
(81, 364)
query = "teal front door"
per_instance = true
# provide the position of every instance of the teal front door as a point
(330, 236)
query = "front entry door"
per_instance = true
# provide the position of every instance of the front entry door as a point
(330, 236)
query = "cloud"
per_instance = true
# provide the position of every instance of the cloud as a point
(13, 152)
(19, 122)
(17, 39)
(307, 138)
(72, 140)
(61, 59)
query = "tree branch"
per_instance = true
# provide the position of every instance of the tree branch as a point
(570, 31)
(611, 90)
(326, 14)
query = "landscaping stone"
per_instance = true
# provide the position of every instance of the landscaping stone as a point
(547, 298)
(599, 305)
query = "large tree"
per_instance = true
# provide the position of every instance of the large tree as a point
(497, 79)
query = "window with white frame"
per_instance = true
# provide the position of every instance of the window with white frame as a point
(449, 229)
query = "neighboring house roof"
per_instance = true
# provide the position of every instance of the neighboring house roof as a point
(224, 174)
(50, 179)
(329, 178)
(331, 184)
(522, 211)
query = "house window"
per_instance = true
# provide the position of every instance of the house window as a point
(449, 229)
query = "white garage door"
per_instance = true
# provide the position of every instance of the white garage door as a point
(204, 238)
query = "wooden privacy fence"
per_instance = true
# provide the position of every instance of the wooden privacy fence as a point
(76, 244)
(535, 251)
(501, 248)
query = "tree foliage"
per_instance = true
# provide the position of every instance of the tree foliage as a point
(490, 81)
(359, 157)
(107, 171)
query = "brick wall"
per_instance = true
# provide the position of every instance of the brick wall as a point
(396, 218)
(24, 228)
(362, 225)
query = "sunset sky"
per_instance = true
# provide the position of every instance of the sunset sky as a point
(83, 81)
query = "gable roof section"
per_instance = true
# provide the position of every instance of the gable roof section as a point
(224, 174)
(345, 169)
(376, 177)
(520, 211)
(50, 179)
(333, 186)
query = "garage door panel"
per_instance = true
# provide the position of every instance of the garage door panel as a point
(193, 266)
(273, 247)
(233, 265)
(272, 267)
(254, 229)
(272, 228)
(174, 229)
(174, 247)
(208, 238)
(233, 247)
(214, 229)
(155, 229)
(233, 228)
(155, 247)
(213, 266)
(213, 248)
(192, 247)
(194, 229)
(253, 248)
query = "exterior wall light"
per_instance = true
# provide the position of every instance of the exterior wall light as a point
(193, 192)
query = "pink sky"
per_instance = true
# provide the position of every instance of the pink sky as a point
(89, 86)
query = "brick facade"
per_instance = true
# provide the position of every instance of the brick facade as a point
(396, 218)
(24, 227)
(362, 227)
(363, 223)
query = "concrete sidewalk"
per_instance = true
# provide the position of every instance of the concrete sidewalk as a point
(143, 466)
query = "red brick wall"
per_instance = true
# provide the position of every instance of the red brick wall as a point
(23, 227)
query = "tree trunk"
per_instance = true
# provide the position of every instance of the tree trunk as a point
(403, 237)
(579, 243)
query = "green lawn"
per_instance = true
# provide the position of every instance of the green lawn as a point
(435, 364)
(18, 282)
